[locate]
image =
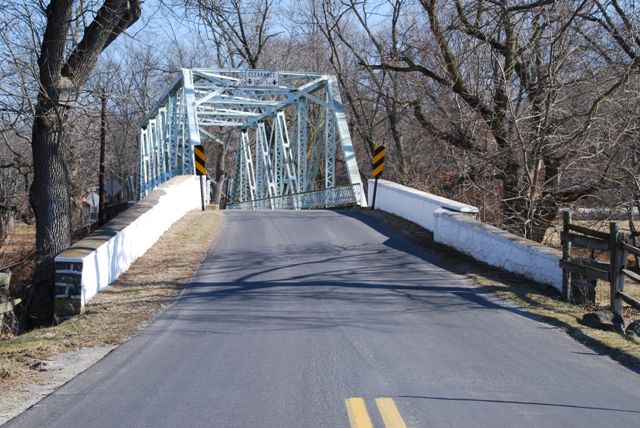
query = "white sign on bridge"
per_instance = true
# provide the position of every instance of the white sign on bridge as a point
(261, 78)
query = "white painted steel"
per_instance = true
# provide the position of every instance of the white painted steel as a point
(305, 106)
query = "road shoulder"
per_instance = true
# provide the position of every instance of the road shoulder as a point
(37, 363)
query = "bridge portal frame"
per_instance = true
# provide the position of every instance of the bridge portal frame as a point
(280, 150)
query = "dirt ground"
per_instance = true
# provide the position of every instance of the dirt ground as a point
(32, 365)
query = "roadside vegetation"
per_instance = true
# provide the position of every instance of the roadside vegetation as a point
(118, 312)
(522, 109)
(540, 300)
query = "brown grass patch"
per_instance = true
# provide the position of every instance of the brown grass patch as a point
(118, 312)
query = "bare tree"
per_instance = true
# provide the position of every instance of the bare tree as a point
(240, 30)
(507, 87)
(63, 70)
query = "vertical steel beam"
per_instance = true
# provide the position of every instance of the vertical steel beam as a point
(260, 171)
(286, 154)
(143, 185)
(329, 144)
(235, 189)
(248, 171)
(173, 134)
(191, 118)
(315, 157)
(301, 146)
(346, 144)
(153, 152)
(263, 147)
(182, 129)
(162, 143)
(276, 161)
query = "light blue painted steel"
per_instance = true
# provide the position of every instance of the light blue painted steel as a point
(301, 144)
(202, 102)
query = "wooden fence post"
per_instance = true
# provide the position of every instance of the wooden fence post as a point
(5, 280)
(616, 276)
(566, 255)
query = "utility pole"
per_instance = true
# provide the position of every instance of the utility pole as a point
(103, 139)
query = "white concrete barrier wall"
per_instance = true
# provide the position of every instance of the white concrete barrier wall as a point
(498, 248)
(412, 204)
(453, 224)
(104, 265)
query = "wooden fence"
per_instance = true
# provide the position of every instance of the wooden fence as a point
(6, 305)
(616, 244)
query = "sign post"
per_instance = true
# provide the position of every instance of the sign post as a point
(201, 169)
(377, 166)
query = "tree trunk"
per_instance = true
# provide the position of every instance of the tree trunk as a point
(49, 197)
(220, 174)
(544, 215)
(529, 218)
(513, 205)
(60, 77)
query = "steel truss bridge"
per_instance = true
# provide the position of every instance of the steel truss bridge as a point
(290, 137)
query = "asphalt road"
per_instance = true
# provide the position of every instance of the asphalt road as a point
(302, 319)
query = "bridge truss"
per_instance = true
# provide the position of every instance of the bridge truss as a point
(290, 137)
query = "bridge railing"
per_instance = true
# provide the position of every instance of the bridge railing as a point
(327, 198)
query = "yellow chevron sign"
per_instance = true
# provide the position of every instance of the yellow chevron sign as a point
(200, 159)
(378, 161)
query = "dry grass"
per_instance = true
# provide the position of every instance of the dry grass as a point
(18, 246)
(119, 311)
(20, 241)
(552, 237)
(536, 299)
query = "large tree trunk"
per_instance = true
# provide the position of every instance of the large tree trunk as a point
(63, 69)
(49, 197)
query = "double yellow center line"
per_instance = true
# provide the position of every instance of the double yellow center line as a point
(359, 416)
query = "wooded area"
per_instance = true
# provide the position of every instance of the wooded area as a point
(519, 107)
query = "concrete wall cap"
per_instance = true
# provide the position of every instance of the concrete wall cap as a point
(494, 232)
(419, 194)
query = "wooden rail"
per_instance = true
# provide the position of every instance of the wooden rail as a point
(615, 271)
(589, 270)
(629, 300)
(8, 306)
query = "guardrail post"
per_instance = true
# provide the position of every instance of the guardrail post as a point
(5, 280)
(616, 275)
(566, 255)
